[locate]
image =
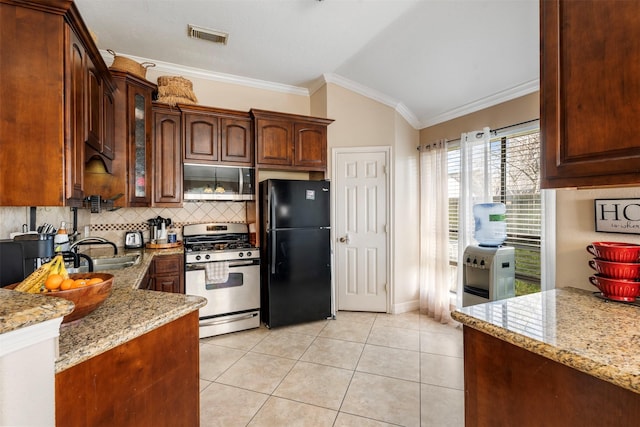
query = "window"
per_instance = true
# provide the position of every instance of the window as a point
(514, 173)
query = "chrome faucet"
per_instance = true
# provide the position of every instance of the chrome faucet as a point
(93, 240)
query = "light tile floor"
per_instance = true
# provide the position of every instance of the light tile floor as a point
(362, 369)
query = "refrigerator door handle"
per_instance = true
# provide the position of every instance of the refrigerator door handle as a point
(273, 252)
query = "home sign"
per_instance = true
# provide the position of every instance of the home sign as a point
(618, 215)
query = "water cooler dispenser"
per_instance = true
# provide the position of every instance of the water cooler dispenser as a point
(489, 268)
(488, 274)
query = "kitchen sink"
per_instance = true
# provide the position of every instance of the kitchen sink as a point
(109, 263)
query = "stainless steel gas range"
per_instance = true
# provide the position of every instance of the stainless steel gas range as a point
(223, 267)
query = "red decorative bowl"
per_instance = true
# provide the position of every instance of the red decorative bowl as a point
(616, 289)
(615, 251)
(616, 270)
(85, 298)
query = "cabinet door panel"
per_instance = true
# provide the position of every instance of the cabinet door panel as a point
(589, 90)
(236, 141)
(310, 145)
(274, 142)
(32, 108)
(168, 273)
(140, 150)
(201, 137)
(94, 108)
(165, 264)
(167, 284)
(75, 141)
(108, 129)
(168, 165)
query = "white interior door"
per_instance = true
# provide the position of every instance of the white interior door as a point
(361, 265)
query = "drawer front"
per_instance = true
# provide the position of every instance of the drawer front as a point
(168, 264)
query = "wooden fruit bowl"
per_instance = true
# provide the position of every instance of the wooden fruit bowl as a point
(86, 298)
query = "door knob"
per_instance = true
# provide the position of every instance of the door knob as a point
(344, 239)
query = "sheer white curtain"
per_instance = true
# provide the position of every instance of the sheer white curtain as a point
(435, 280)
(475, 187)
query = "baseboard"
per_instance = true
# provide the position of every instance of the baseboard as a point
(405, 307)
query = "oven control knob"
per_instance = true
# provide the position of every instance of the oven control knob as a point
(207, 256)
(240, 254)
(248, 253)
(198, 257)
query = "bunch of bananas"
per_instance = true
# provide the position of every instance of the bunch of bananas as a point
(34, 283)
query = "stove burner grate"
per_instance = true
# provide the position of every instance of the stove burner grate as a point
(213, 245)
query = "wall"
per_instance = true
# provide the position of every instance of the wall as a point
(575, 218)
(362, 122)
(508, 113)
(219, 94)
(575, 227)
(406, 216)
(112, 225)
(12, 218)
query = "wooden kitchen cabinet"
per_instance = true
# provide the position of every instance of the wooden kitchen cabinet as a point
(108, 130)
(147, 280)
(131, 173)
(289, 141)
(90, 95)
(94, 107)
(506, 385)
(274, 142)
(216, 136)
(310, 145)
(140, 150)
(151, 380)
(75, 94)
(166, 274)
(589, 91)
(201, 138)
(49, 67)
(167, 154)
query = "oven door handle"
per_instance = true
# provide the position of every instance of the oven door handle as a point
(243, 263)
(232, 264)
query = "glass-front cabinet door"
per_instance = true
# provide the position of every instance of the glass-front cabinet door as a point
(140, 155)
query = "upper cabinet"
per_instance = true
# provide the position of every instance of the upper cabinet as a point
(589, 88)
(53, 86)
(218, 136)
(310, 145)
(129, 180)
(139, 145)
(289, 141)
(167, 163)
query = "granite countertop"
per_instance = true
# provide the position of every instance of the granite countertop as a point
(126, 314)
(570, 326)
(19, 310)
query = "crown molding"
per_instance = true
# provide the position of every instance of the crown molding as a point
(486, 102)
(399, 107)
(374, 95)
(184, 71)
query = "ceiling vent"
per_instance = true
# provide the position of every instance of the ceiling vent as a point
(207, 34)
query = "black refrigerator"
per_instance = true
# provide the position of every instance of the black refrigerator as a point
(295, 251)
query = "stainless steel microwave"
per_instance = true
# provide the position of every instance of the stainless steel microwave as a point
(212, 182)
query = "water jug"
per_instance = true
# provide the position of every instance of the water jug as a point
(491, 223)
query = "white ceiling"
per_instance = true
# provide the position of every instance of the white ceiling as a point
(432, 60)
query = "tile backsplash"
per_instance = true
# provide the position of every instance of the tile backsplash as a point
(113, 224)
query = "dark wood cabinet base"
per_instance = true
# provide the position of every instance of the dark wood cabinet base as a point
(506, 385)
(152, 380)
